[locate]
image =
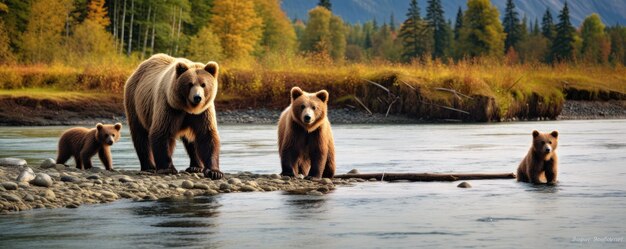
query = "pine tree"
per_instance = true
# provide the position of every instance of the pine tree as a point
(511, 25)
(458, 24)
(326, 4)
(392, 23)
(536, 30)
(563, 44)
(98, 13)
(436, 21)
(548, 30)
(415, 34)
(482, 33)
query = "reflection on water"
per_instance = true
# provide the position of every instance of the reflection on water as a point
(588, 201)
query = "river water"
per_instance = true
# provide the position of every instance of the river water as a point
(586, 209)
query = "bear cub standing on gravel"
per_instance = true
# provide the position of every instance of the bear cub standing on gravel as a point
(82, 144)
(540, 164)
(305, 140)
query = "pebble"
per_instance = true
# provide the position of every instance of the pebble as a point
(285, 178)
(48, 195)
(108, 194)
(72, 205)
(54, 174)
(464, 185)
(234, 181)
(247, 188)
(93, 177)
(26, 175)
(85, 185)
(275, 176)
(67, 178)
(9, 185)
(13, 162)
(187, 184)
(353, 171)
(314, 193)
(23, 184)
(29, 197)
(127, 195)
(181, 190)
(42, 180)
(201, 186)
(60, 167)
(326, 181)
(211, 192)
(125, 178)
(11, 197)
(188, 193)
(48, 163)
(98, 181)
(225, 186)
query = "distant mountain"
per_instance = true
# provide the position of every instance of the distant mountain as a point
(359, 11)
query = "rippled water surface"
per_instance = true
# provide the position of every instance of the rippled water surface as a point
(585, 209)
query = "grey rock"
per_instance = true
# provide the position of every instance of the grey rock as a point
(210, 192)
(48, 163)
(234, 181)
(72, 205)
(353, 171)
(93, 177)
(247, 188)
(150, 197)
(108, 194)
(326, 181)
(26, 175)
(11, 197)
(12, 162)
(188, 193)
(42, 180)
(201, 186)
(9, 185)
(285, 178)
(60, 167)
(126, 178)
(187, 184)
(275, 176)
(98, 181)
(54, 174)
(29, 197)
(225, 186)
(49, 195)
(69, 179)
(464, 185)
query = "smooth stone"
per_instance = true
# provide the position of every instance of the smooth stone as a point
(285, 178)
(127, 195)
(150, 198)
(86, 185)
(26, 175)
(13, 162)
(211, 192)
(11, 197)
(234, 181)
(247, 188)
(54, 174)
(48, 163)
(188, 193)
(60, 167)
(23, 184)
(109, 195)
(225, 186)
(275, 176)
(464, 185)
(126, 179)
(98, 181)
(314, 193)
(353, 171)
(326, 181)
(93, 177)
(9, 185)
(29, 197)
(161, 186)
(253, 184)
(201, 186)
(42, 180)
(187, 184)
(49, 195)
(69, 179)
(181, 190)
(72, 205)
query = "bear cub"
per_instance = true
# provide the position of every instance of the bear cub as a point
(82, 144)
(540, 164)
(305, 140)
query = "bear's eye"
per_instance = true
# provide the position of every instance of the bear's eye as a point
(543, 142)
(550, 142)
(313, 107)
(203, 85)
(190, 84)
(113, 135)
(302, 107)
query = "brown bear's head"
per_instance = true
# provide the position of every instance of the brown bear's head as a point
(196, 86)
(544, 144)
(309, 109)
(108, 134)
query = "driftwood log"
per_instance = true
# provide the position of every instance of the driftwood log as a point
(427, 177)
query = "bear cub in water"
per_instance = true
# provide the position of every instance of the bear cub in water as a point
(540, 164)
(82, 144)
(305, 140)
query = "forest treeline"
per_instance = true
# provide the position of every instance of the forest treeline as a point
(76, 32)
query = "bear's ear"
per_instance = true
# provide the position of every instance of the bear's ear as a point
(180, 69)
(535, 133)
(213, 68)
(323, 95)
(555, 134)
(99, 126)
(296, 92)
(118, 126)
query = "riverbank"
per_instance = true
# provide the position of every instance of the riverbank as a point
(24, 188)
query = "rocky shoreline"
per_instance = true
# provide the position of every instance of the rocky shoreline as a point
(50, 185)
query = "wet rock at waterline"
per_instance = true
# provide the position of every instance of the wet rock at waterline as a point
(464, 185)
(42, 180)
(12, 162)
(48, 163)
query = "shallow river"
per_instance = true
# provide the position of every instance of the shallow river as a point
(586, 209)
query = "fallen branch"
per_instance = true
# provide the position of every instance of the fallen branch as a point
(428, 177)
(363, 105)
(455, 92)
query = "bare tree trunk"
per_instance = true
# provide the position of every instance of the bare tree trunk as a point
(153, 32)
(123, 22)
(115, 23)
(172, 33)
(180, 20)
(427, 177)
(145, 36)
(130, 29)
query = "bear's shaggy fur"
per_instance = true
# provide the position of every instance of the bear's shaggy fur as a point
(168, 98)
(82, 144)
(305, 140)
(540, 164)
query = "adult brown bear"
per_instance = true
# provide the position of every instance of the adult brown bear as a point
(168, 98)
(305, 140)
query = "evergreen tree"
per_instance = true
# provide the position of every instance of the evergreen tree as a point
(617, 36)
(563, 44)
(458, 24)
(536, 30)
(326, 4)
(482, 34)
(548, 30)
(392, 23)
(415, 34)
(511, 25)
(436, 21)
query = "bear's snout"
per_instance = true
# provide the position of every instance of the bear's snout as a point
(547, 149)
(109, 140)
(307, 118)
(197, 98)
